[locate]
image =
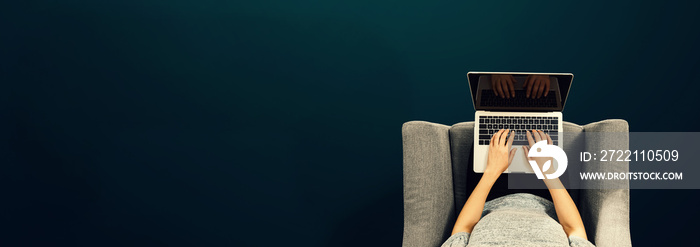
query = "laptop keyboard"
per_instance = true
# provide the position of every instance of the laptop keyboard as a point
(488, 125)
(488, 98)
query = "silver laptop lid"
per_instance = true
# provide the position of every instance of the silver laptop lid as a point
(519, 91)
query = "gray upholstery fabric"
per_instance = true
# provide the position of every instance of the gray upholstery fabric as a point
(573, 143)
(436, 159)
(462, 145)
(427, 179)
(606, 211)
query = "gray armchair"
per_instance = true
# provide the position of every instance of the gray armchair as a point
(436, 158)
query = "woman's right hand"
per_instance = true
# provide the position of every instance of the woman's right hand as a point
(532, 138)
(537, 86)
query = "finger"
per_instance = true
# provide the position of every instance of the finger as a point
(546, 84)
(497, 139)
(512, 89)
(512, 155)
(543, 137)
(535, 87)
(504, 85)
(498, 88)
(504, 135)
(527, 81)
(526, 151)
(493, 86)
(510, 139)
(537, 136)
(528, 85)
(504, 89)
(541, 91)
(549, 140)
(493, 138)
(530, 141)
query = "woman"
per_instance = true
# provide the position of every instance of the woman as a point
(518, 219)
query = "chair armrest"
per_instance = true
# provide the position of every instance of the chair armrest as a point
(605, 203)
(427, 184)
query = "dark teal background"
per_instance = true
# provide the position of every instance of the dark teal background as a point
(206, 123)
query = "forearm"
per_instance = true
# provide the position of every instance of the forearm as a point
(568, 214)
(473, 208)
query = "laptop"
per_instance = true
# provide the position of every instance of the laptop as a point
(518, 113)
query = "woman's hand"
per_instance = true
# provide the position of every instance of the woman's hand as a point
(536, 136)
(502, 85)
(500, 152)
(537, 85)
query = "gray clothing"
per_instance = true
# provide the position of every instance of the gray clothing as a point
(517, 220)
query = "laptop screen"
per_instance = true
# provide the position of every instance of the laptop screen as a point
(519, 91)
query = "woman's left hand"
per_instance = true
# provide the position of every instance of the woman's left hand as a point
(500, 152)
